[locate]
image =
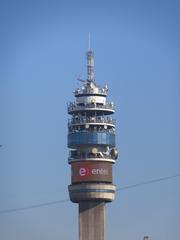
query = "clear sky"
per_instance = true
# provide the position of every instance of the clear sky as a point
(137, 53)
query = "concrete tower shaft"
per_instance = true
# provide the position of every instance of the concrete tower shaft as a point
(91, 139)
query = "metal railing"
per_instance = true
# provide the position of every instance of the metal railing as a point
(74, 107)
(76, 155)
(91, 91)
(86, 120)
(90, 130)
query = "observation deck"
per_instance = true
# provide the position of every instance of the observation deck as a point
(90, 108)
(85, 138)
(76, 121)
(76, 156)
(98, 91)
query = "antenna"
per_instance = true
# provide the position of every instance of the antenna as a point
(89, 41)
(90, 61)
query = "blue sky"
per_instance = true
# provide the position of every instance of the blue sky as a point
(136, 47)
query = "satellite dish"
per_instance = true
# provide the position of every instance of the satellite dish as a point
(114, 153)
(105, 126)
(94, 150)
(93, 100)
(92, 85)
(86, 125)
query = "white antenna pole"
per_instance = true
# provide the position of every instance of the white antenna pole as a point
(89, 42)
(90, 61)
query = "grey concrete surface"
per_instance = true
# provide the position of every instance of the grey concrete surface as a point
(91, 220)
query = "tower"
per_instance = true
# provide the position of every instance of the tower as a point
(91, 139)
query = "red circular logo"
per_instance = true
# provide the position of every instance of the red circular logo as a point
(83, 171)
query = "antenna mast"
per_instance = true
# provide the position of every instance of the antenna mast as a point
(89, 42)
(90, 63)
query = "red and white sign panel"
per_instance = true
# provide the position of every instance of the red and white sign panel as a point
(91, 172)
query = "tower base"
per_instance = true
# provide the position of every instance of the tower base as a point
(91, 220)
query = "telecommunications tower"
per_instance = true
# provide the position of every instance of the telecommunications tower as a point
(91, 139)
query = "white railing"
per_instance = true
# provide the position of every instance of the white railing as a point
(74, 107)
(89, 155)
(91, 91)
(91, 130)
(86, 120)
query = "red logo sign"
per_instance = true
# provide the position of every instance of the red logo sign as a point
(91, 171)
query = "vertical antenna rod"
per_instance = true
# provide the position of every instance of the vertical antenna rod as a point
(89, 42)
(90, 63)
